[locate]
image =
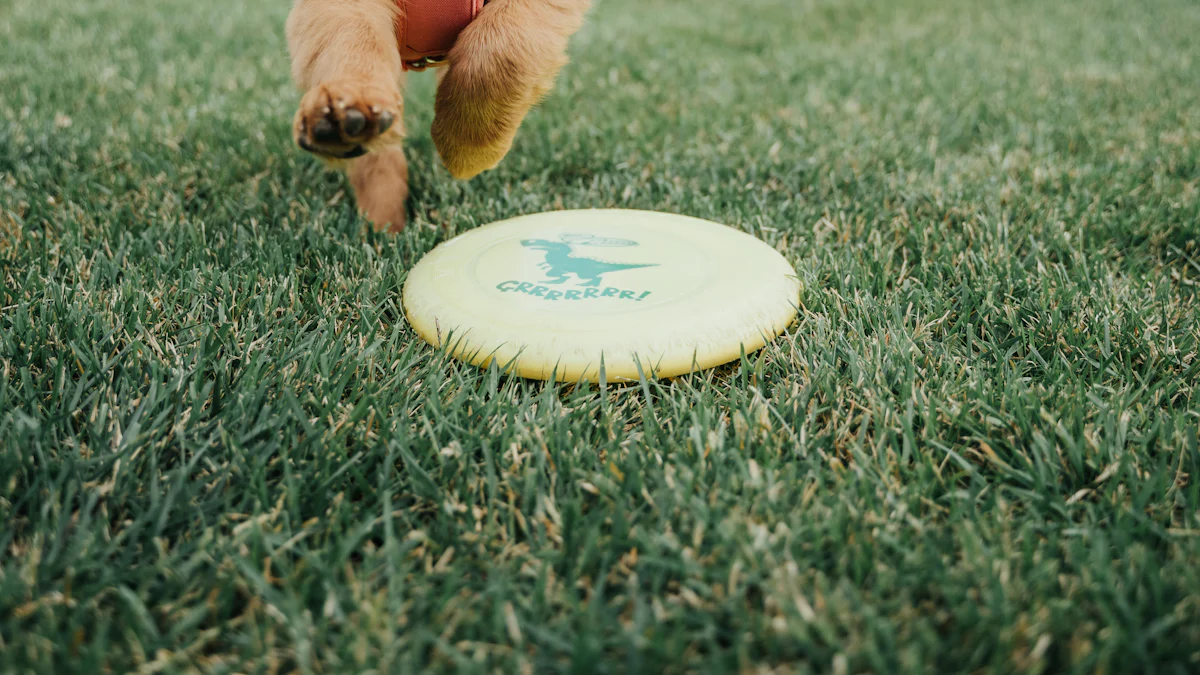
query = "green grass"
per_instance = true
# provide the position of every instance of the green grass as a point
(223, 449)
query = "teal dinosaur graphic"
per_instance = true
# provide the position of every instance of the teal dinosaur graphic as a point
(561, 261)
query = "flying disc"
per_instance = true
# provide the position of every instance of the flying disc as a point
(618, 294)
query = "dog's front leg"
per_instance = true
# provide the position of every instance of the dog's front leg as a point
(344, 58)
(503, 63)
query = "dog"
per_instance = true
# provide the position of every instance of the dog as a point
(346, 61)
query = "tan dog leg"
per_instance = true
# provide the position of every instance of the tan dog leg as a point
(344, 57)
(380, 182)
(501, 66)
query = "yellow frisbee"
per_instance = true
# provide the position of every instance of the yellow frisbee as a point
(567, 294)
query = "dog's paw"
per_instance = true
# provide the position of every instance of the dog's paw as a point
(479, 108)
(501, 66)
(494, 78)
(344, 120)
(380, 183)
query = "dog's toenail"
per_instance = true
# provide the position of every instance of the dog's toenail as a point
(325, 132)
(385, 121)
(354, 122)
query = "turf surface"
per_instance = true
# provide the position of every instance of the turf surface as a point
(221, 447)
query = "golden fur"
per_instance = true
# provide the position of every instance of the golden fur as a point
(345, 60)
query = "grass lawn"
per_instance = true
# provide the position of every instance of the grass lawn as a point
(222, 448)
